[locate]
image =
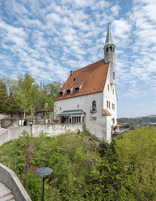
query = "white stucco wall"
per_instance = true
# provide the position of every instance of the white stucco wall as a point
(35, 130)
(108, 95)
(55, 129)
(95, 122)
(13, 133)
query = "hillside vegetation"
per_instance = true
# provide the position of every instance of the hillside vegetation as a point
(83, 169)
(137, 122)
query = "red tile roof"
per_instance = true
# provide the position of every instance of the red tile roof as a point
(106, 113)
(90, 79)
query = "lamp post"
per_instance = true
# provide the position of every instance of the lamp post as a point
(43, 172)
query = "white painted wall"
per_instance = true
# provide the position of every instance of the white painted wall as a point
(112, 98)
(35, 130)
(55, 129)
(96, 127)
(13, 133)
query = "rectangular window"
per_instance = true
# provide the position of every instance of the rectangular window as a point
(61, 93)
(76, 120)
(68, 92)
(77, 90)
(114, 75)
(113, 106)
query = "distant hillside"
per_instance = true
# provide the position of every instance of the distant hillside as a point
(138, 121)
(153, 115)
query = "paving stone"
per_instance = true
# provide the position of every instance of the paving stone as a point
(5, 193)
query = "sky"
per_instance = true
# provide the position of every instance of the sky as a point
(48, 38)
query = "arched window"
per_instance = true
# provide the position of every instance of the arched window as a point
(111, 48)
(94, 105)
(107, 49)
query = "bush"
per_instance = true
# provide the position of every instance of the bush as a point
(83, 169)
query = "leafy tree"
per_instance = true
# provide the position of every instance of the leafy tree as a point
(48, 94)
(26, 92)
(13, 107)
(136, 164)
(53, 88)
(3, 97)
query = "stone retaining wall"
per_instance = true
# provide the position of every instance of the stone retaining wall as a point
(11, 181)
(55, 129)
(35, 130)
(13, 133)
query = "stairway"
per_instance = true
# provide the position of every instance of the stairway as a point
(5, 193)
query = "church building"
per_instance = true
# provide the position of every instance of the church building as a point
(89, 95)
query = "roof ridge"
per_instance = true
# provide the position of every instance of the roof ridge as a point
(91, 77)
(90, 65)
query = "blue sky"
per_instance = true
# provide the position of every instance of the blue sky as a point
(48, 38)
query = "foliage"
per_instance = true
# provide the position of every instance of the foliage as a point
(137, 164)
(53, 88)
(51, 91)
(133, 123)
(83, 169)
(23, 95)
(26, 92)
(8, 103)
(3, 97)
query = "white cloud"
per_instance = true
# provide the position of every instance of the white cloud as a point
(121, 28)
(115, 10)
(53, 18)
(15, 8)
(141, 104)
(50, 38)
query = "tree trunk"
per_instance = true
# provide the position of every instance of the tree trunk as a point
(24, 114)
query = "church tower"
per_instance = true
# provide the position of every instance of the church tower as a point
(109, 54)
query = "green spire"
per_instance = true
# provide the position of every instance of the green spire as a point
(109, 38)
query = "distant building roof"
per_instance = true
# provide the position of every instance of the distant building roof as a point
(90, 79)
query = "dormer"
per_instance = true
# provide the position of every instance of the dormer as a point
(68, 92)
(77, 89)
(61, 93)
